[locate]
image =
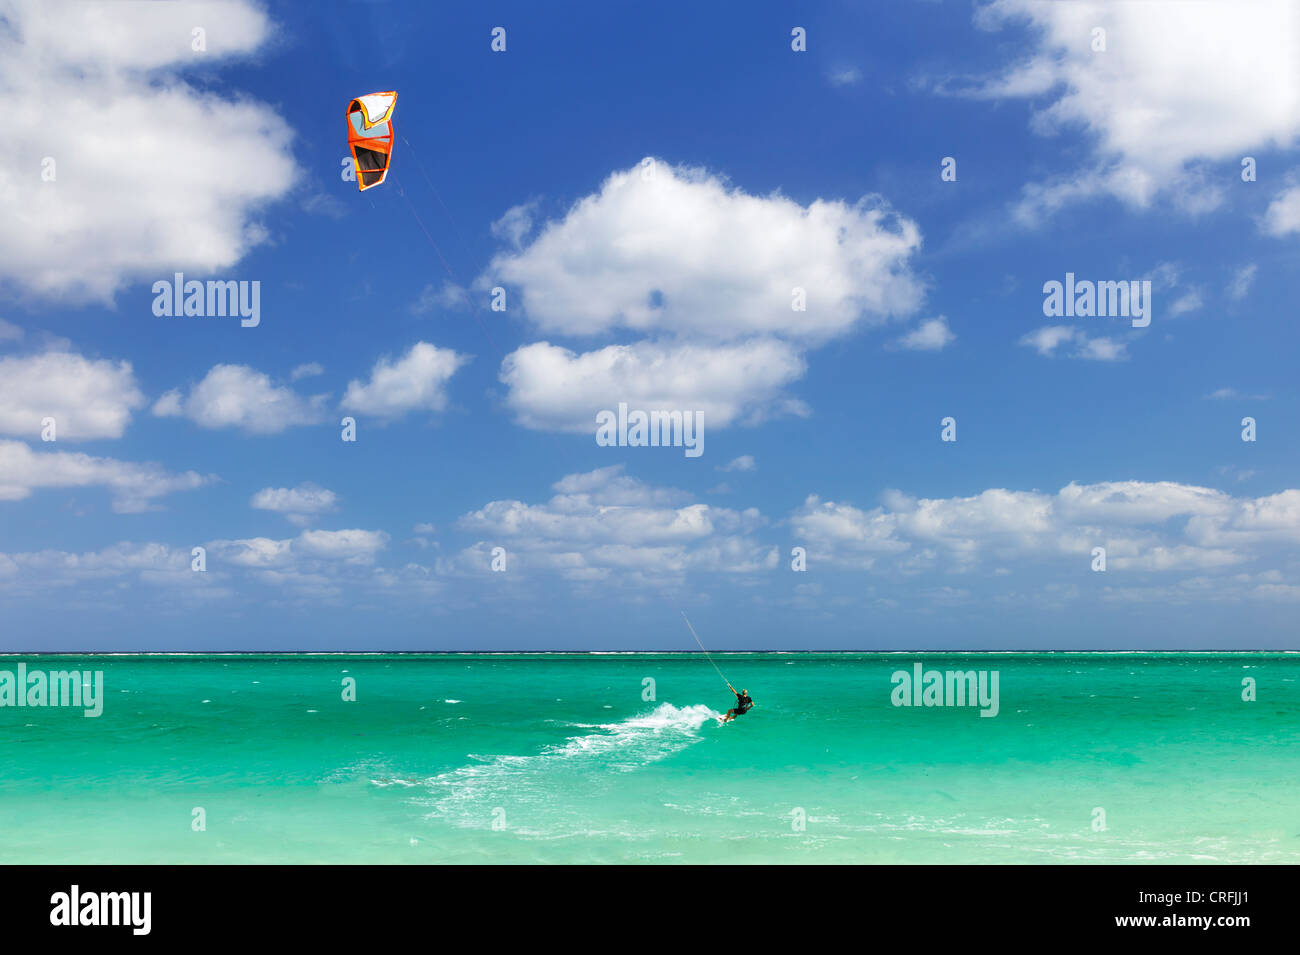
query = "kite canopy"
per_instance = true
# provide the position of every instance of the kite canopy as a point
(370, 136)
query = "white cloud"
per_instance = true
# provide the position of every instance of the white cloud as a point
(843, 533)
(1179, 84)
(152, 563)
(236, 396)
(304, 553)
(309, 370)
(298, 504)
(1102, 349)
(611, 486)
(1243, 522)
(604, 523)
(133, 486)
(849, 76)
(1147, 526)
(9, 332)
(683, 252)
(448, 296)
(1049, 338)
(415, 382)
(1138, 502)
(87, 398)
(1282, 218)
(1165, 276)
(1233, 588)
(743, 463)
(1242, 279)
(1190, 301)
(171, 404)
(252, 552)
(515, 224)
(931, 335)
(554, 388)
(728, 290)
(1238, 474)
(356, 546)
(330, 566)
(1232, 394)
(151, 174)
(333, 567)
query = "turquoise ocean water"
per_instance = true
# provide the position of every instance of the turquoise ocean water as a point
(566, 758)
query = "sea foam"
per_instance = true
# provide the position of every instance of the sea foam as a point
(467, 795)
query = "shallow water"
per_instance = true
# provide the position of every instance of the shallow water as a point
(575, 758)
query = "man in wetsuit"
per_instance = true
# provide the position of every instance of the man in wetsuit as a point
(743, 703)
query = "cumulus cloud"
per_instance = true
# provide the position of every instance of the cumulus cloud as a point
(612, 486)
(1282, 217)
(309, 370)
(153, 563)
(681, 251)
(1049, 338)
(1178, 85)
(359, 546)
(237, 396)
(1151, 526)
(1101, 349)
(553, 388)
(1244, 522)
(299, 504)
(609, 527)
(727, 291)
(931, 335)
(1137, 502)
(316, 566)
(302, 553)
(604, 522)
(102, 94)
(133, 487)
(743, 463)
(86, 398)
(415, 382)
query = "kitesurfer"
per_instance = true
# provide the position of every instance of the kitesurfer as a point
(743, 703)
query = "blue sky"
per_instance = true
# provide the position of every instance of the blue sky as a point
(664, 285)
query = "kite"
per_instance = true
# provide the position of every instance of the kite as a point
(370, 136)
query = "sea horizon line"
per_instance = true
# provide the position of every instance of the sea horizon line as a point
(386, 653)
